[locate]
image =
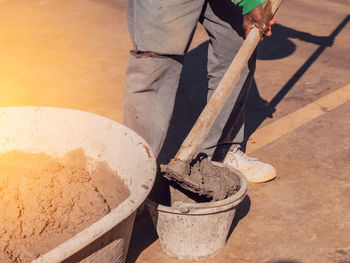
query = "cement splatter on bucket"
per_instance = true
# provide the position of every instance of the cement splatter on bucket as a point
(194, 231)
(56, 131)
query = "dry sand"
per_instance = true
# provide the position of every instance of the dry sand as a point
(45, 201)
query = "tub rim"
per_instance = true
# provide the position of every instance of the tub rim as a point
(124, 210)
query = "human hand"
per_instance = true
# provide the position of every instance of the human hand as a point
(256, 18)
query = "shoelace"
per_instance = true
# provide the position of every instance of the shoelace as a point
(241, 160)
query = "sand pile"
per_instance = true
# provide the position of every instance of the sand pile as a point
(44, 200)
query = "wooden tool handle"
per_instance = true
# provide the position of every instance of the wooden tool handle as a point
(227, 84)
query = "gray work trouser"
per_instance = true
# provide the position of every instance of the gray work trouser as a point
(166, 28)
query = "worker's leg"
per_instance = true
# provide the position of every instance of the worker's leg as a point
(161, 32)
(223, 22)
(150, 89)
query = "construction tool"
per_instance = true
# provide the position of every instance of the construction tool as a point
(179, 168)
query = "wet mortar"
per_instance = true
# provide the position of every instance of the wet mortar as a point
(216, 183)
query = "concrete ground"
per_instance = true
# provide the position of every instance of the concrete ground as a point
(74, 54)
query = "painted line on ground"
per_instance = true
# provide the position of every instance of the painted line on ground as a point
(286, 124)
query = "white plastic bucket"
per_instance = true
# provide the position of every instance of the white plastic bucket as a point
(56, 131)
(194, 231)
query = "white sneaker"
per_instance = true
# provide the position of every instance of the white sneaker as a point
(254, 170)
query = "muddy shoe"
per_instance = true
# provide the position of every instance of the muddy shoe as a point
(254, 170)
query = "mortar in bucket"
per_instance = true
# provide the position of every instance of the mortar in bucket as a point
(194, 231)
(56, 131)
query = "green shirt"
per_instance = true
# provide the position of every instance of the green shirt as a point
(248, 5)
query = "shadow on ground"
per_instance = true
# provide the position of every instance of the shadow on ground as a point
(278, 46)
(143, 235)
(241, 212)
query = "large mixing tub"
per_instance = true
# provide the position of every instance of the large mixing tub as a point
(57, 131)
